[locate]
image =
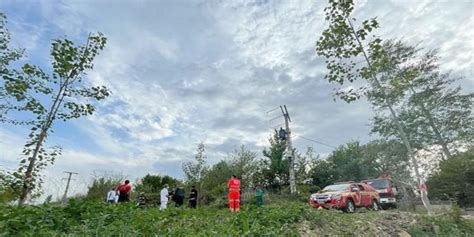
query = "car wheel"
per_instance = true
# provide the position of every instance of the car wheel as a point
(375, 205)
(350, 207)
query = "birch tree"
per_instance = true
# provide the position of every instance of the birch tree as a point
(433, 110)
(30, 92)
(355, 55)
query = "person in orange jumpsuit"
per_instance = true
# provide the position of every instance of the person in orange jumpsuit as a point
(234, 193)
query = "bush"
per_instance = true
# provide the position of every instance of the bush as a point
(455, 180)
(10, 187)
(446, 224)
(100, 186)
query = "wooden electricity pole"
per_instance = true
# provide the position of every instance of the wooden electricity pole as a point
(67, 185)
(289, 149)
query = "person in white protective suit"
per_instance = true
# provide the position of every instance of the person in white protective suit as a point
(164, 197)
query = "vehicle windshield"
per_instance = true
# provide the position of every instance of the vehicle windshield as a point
(378, 183)
(336, 187)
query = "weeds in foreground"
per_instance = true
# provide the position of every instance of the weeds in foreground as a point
(82, 217)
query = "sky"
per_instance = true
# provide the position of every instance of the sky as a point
(183, 72)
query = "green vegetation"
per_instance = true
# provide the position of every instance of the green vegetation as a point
(100, 186)
(455, 180)
(86, 217)
(44, 98)
(356, 162)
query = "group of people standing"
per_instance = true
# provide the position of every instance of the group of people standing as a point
(122, 194)
(178, 196)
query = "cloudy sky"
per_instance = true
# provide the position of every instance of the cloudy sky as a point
(189, 71)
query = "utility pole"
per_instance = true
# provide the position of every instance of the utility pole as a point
(67, 185)
(289, 148)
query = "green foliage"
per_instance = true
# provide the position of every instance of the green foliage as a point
(154, 183)
(390, 158)
(243, 164)
(322, 173)
(347, 162)
(274, 166)
(9, 186)
(27, 91)
(7, 57)
(303, 165)
(214, 184)
(287, 218)
(356, 162)
(341, 45)
(454, 180)
(195, 170)
(446, 224)
(101, 185)
(431, 108)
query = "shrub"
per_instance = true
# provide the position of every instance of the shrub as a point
(455, 179)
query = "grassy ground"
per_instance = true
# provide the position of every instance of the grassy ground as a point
(290, 219)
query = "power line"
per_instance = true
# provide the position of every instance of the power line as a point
(279, 116)
(318, 142)
(273, 109)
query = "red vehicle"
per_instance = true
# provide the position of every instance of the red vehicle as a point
(390, 190)
(386, 189)
(346, 197)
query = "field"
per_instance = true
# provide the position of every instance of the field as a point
(92, 218)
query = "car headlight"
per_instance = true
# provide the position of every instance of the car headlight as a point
(313, 196)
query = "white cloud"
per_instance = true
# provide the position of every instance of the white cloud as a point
(182, 72)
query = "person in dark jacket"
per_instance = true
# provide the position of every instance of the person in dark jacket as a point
(178, 196)
(193, 196)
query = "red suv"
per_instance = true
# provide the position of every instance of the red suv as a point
(386, 189)
(346, 197)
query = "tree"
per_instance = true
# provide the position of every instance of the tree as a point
(9, 187)
(274, 165)
(214, 182)
(390, 158)
(355, 162)
(7, 57)
(432, 110)
(48, 98)
(242, 164)
(350, 163)
(101, 185)
(303, 165)
(322, 173)
(154, 183)
(345, 46)
(455, 179)
(196, 170)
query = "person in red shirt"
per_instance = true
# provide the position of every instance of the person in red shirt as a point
(124, 191)
(234, 193)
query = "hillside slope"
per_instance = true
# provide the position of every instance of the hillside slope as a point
(295, 219)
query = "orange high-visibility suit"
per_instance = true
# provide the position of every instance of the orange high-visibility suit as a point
(234, 194)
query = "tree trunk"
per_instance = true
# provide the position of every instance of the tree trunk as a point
(439, 137)
(401, 130)
(29, 171)
(44, 131)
